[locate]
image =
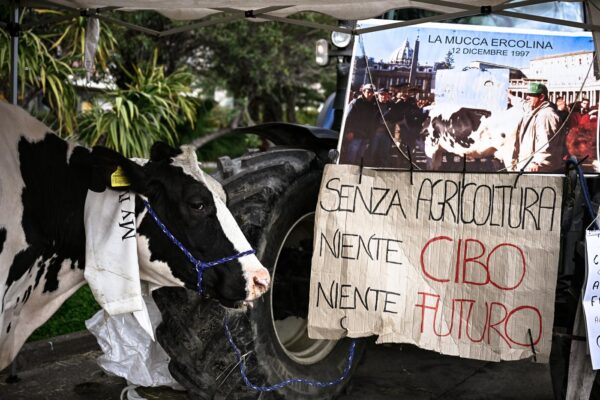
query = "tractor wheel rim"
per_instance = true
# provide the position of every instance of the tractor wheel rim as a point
(292, 332)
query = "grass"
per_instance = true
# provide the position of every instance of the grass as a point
(70, 317)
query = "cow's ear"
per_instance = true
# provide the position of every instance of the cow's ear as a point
(161, 151)
(111, 169)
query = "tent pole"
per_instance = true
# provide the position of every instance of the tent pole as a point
(14, 53)
(591, 27)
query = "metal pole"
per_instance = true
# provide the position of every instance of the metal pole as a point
(14, 53)
(13, 29)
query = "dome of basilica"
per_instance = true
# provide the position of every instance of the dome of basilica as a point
(402, 55)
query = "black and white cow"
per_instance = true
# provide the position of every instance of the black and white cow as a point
(44, 182)
(471, 133)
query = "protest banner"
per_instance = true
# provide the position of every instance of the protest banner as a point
(446, 91)
(591, 296)
(461, 264)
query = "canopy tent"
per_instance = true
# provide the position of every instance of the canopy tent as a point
(279, 10)
(205, 13)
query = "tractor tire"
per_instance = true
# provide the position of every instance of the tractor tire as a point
(273, 196)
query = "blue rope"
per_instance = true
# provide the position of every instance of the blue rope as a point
(200, 267)
(198, 264)
(290, 381)
(584, 189)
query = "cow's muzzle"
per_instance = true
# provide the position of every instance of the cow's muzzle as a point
(258, 281)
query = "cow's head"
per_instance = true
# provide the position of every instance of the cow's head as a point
(192, 206)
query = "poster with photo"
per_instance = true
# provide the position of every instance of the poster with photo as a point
(447, 97)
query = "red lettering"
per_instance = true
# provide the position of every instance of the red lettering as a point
(474, 260)
(460, 315)
(456, 268)
(493, 325)
(442, 319)
(485, 324)
(539, 320)
(423, 306)
(523, 265)
(469, 253)
(423, 268)
(497, 319)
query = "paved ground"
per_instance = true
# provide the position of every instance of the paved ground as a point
(387, 372)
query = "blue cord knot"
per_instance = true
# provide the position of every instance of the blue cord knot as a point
(198, 264)
(284, 383)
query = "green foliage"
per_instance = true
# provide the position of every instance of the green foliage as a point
(269, 64)
(70, 317)
(149, 109)
(41, 72)
(449, 60)
(267, 67)
(307, 116)
(69, 36)
(230, 145)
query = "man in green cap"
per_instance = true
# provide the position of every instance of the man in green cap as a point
(538, 147)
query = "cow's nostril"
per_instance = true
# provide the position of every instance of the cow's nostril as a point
(259, 284)
(262, 283)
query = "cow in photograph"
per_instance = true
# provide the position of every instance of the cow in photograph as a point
(450, 129)
(471, 133)
(44, 182)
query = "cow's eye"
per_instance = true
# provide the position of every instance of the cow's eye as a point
(196, 205)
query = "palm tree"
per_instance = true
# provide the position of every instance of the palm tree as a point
(41, 74)
(149, 109)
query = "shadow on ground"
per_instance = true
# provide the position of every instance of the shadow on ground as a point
(65, 369)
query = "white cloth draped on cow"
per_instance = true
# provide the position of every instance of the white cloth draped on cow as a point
(52, 228)
(111, 259)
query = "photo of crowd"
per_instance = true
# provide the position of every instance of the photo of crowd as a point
(493, 109)
(372, 115)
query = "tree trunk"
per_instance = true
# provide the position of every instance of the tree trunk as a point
(290, 106)
(272, 109)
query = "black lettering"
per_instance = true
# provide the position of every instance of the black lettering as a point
(478, 204)
(551, 206)
(358, 192)
(388, 250)
(332, 247)
(365, 301)
(130, 226)
(512, 206)
(328, 187)
(320, 291)
(448, 196)
(464, 201)
(344, 246)
(526, 209)
(126, 214)
(394, 203)
(343, 296)
(425, 199)
(345, 194)
(386, 302)
(373, 210)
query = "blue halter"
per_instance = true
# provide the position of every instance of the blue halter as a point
(198, 264)
(200, 267)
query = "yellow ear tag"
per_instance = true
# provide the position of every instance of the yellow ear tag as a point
(118, 178)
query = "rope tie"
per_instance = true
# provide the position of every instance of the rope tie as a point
(199, 265)
(284, 383)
